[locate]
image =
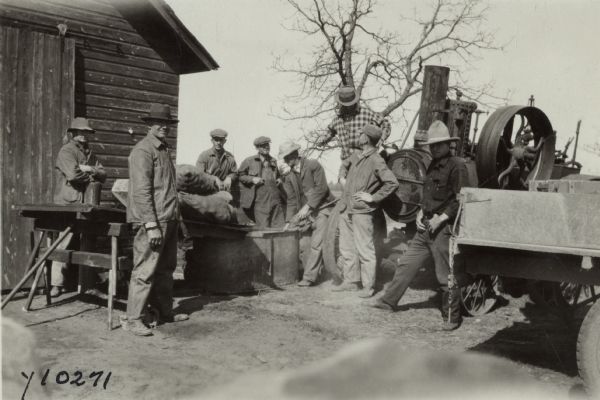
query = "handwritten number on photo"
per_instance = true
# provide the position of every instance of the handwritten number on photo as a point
(43, 383)
(77, 380)
(98, 374)
(62, 377)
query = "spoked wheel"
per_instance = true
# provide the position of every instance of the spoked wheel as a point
(516, 146)
(576, 295)
(480, 296)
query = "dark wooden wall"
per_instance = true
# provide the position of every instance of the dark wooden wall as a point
(36, 102)
(117, 76)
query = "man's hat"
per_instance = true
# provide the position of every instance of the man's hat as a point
(372, 131)
(80, 124)
(259, 141)
(438, 133)
(347, 96)
(287, 148)
(160, 112)
(218, 133)
(421, 136)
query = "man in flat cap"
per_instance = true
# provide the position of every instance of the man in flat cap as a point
(352, 117)
(368, 182)
(445, 177)
(261, 197)
(78, 167)
(153, 211)
(315, 200)
(218, 162)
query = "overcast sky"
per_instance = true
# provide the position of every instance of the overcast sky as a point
(551, 51)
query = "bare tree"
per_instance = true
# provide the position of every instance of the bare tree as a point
(384, 66)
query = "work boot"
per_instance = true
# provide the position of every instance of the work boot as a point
(56, 291)
(382, 305)
(305, 283)
(366, 293)
(451, 309)
(173, 318)
(346, 287)
(136, 327)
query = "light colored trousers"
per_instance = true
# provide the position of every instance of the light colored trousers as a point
(57, 276)
(314, 261)
(357, 248)
(152, 274)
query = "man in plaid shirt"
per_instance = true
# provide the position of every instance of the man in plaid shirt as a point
(348, 124)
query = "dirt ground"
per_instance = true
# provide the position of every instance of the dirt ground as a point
(231, 335)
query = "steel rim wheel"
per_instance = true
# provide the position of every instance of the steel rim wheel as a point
(497, 151)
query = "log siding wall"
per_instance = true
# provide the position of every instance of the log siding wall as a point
(117, 73)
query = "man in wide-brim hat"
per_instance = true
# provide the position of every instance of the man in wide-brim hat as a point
(351, 119)
(153, 212)
(445, 177)
(78, 167)
(313, 203)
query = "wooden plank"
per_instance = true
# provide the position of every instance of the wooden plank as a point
(529, 265)
(112, 149)
(117, 81)
(116, 102)
(112, 161)
(111, 80)
(580, 251)
(89, 259)
(57, 224)
(91, 88)
(100, 7)
(115, 67)
(139, 130)
(9, 90)
(108, 114)
(123, 54)
(202, 229)
(433, 95)
(38, 108)
(20, 10)
(74, 10)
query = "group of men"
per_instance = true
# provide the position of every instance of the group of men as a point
(300, 199)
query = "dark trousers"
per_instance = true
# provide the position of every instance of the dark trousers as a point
(152, 274)
(267, 217)
(423, 246)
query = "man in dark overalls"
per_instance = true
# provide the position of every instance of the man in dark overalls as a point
(261, 197)
(445, 177)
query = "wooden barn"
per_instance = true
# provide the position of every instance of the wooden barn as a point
(106, 60)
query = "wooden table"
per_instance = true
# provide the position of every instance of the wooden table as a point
(87, 220)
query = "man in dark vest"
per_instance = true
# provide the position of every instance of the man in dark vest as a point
(445, 177)
(218, 162)
(78, 167)
(153, 212)
(261, 197)
(316, 202)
